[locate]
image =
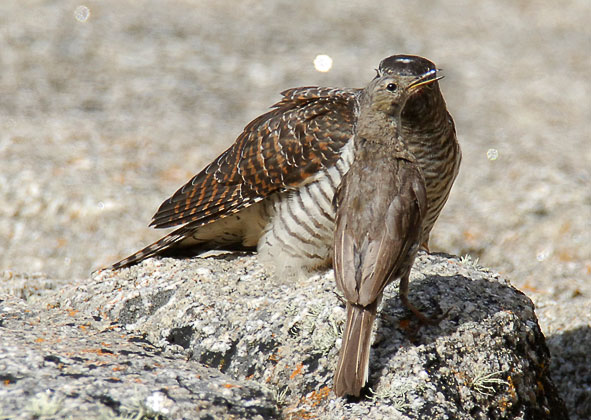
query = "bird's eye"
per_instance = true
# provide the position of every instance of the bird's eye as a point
(392, 87)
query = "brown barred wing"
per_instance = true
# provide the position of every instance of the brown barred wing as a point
(279, 150)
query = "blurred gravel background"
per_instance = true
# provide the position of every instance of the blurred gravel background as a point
(107, 107)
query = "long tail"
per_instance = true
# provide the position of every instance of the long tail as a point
(157, 247)
(352, 370)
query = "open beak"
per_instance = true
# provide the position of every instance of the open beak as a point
(425, 79)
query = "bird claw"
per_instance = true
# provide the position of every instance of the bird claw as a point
(423, 319)
(429, 320)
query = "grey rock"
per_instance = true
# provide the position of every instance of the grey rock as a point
(571, 368)
(57, 363)
(102, 119)
(486, 360)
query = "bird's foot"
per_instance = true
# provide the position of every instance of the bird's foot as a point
(423, 319)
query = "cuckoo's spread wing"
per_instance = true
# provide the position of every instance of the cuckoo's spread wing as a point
(279, 150)
(380, 209)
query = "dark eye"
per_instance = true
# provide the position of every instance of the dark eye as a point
(392, 87)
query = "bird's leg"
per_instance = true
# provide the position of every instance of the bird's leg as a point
(425, 246)
(423, 319)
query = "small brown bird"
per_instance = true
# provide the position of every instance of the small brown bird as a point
(272, 190)
(380, 208)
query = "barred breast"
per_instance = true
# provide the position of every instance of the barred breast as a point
(439, 155)
(299, 235)
(273, 188)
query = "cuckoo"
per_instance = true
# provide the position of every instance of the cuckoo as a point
(272, 190)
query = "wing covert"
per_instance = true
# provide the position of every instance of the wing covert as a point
(279, 150)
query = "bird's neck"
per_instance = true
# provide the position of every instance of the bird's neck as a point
(424, 112)
(378, 127)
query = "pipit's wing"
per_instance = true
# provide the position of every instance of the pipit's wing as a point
(380, 209)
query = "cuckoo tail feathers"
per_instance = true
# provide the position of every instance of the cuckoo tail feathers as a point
(352, 369)
(234, 233)
(158, 247)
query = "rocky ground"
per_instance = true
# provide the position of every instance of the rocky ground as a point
(108, 107)
(222, 338)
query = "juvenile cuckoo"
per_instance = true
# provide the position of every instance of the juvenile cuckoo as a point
(272, 190)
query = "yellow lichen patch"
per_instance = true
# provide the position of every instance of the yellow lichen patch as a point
(317, 397)
(512, 388)
(296, 371)
(100, 352)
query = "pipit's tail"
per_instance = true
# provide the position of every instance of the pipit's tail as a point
(352, 370)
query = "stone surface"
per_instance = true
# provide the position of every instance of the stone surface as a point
(265, 337)
(102, 118)
(63, 364)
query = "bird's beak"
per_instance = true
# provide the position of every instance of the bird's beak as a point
(425, 79)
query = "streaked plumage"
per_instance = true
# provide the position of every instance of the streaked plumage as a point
(286, 162)
(272, 189)
(381, 205)
(428, 131)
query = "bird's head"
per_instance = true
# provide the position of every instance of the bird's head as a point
(427, 98)
(393, 86)
(405, 65)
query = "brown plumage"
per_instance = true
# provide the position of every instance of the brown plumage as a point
(276, 153)
(381, 205)
(429, 134)
(272, 189)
